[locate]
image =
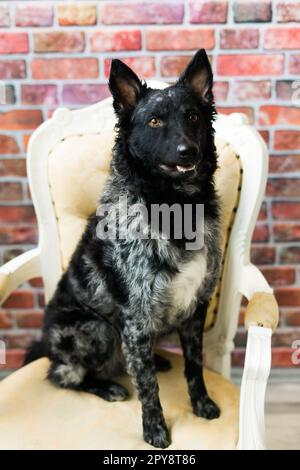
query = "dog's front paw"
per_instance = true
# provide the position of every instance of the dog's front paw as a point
(156, 433)
(206, 408)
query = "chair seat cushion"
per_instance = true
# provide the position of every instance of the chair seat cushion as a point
(34, 414)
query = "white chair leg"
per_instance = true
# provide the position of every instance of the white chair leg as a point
(253, 388)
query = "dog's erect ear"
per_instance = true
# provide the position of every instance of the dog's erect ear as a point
(124, 84)
(199, 76)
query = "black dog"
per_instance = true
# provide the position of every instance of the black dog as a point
(121, 293)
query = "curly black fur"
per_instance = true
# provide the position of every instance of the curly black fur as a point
(119, 295)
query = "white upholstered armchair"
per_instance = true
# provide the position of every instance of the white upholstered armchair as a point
(68, 161)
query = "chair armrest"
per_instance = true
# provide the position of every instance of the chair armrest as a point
(262, 310)
(19, 270)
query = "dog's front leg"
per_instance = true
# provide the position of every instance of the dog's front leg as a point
(191, 337)
(139, 357)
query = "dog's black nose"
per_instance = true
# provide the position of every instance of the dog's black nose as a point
(185, 151)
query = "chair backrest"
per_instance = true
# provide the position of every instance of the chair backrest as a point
(68, 162)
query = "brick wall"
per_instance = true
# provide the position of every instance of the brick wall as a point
(56, 53)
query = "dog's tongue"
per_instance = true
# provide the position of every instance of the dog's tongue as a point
(185, 168)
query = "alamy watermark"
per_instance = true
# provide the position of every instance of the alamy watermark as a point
(296, 354)
(296, 93)
(125, 221)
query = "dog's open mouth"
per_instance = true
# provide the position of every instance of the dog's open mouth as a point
(178, 168)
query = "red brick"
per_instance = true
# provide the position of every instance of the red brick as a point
(240, 339)
(41, 300)
(4, 16)
(5, 320)
(292, 318)
(8, 145)
(65, 68)
(16, 214)
(213, 11)
(39, 94)
(12, 167)
(143, 66)
(17, 235)
(286, 210)
(265, 135)
(21, 119)
(50, 112)
(59, 41)
(14, 359)
(13, 43)
(262, 215)
(239, 38)
(84, 94)
(10, 191)
(290, 255)
(235, 109)
(112, 40)
(238, 357)
(286, 232)
(18, 340)
(220, 90)
(287, 140)
(172, 66)
(28, 193)
(26, 139)
(284, 163)
(254, 11)
(282, 357)
(20, 299)
(32, 319)
(261, 233)
(284, 89)
(262, 254)
(246, 90)
(77, 15)
(294, 64)
(288, 11)
(288, 296)
(33, 14)
(12, 69)
(143, 13)
(250, 64)
(180, 39)
(284, 187)
(279, 275)
(282, 38)
(241, 320)
(282, 310)
(36, 282)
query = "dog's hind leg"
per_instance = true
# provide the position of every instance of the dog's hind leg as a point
(75, 377)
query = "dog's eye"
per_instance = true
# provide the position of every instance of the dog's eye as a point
(154, 122)
(193, 117)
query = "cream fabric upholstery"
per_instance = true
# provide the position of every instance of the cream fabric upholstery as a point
(36, 415)
(78, 168)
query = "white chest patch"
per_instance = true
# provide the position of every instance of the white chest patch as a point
(186, 283)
